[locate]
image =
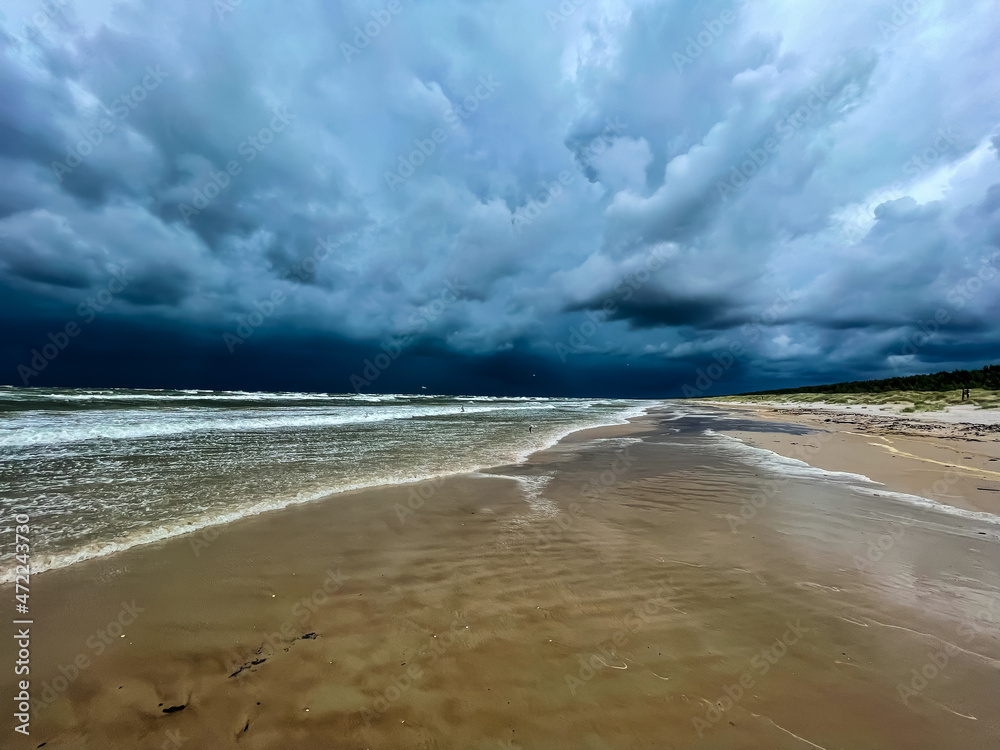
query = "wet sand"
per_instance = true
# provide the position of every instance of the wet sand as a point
(621, 592)
(955, 464)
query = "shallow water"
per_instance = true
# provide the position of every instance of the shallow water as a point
(103, 470)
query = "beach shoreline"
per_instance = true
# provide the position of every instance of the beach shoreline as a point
(596, 595)
(952, 463)
(207, 522)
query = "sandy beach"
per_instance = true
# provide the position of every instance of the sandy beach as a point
(960, 415)
(951, 456)
(649, 585)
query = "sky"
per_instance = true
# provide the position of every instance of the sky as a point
(639, 198)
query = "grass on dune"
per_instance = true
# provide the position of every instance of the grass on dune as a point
(911, 401)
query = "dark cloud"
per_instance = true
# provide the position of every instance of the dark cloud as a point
(654, 308)
(790, 182)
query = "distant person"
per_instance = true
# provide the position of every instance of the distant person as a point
(529, 429)
(463, 408)
(966, 394)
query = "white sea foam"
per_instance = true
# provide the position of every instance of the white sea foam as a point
(131, 495)
(618, 440)
(185, 395)
(769, 460)
(927, 503)
(49, 428)
(621, 417)
(533, 487)
(42, 562)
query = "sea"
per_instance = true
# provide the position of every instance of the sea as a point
(99, 471)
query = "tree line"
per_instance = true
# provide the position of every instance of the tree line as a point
(987, 378)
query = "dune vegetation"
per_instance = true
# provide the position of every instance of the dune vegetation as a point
(910, 401)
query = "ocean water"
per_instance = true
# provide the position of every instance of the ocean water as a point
(99, 471)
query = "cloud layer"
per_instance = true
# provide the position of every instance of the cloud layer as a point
(599, 196)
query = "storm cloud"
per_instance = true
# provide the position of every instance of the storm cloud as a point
(592, 197)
